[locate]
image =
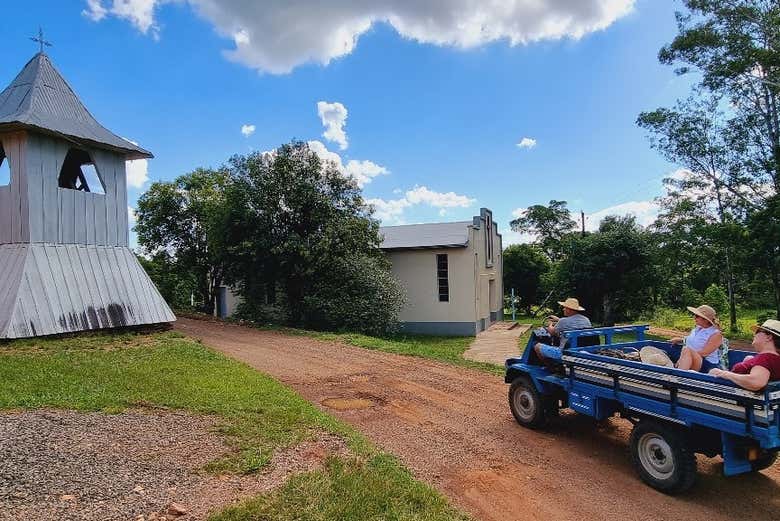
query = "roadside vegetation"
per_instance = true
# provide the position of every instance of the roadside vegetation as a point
(113, 372)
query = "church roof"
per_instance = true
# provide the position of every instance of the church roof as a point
(39, 98)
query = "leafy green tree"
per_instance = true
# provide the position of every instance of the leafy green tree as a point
(524, 266)
(735, 46)
(185, 219)
(611, 271)
(175, 285)
(715, 296)
(764, 232)
(548, 224)
(693, 135)
(299, 233)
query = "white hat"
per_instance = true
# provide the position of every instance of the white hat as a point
(572, 303)
(653, 355)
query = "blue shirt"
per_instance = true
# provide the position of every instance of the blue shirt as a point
(570, 323)
(698, 339)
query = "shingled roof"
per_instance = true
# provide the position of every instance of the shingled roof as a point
(39, 98)
(421, 236)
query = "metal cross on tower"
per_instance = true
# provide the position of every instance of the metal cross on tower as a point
(40, 39)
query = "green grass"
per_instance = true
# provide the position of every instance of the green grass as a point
(257, 415)
(380, 489)
(447, 349)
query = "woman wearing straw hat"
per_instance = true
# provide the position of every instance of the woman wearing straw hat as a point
(754, 372)
(700, 352)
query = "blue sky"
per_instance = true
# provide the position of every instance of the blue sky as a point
(436, 98)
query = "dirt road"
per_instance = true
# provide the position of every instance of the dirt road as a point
(453, 428)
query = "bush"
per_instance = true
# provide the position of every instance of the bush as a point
(691, 297)
(664, 317)
(260, 313)
(357, 294)
(717, 298)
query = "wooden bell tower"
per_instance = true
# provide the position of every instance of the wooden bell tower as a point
(65, 261)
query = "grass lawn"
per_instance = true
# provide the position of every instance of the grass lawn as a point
(447, 349)
(110, 372)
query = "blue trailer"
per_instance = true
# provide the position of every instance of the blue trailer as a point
(676, 414)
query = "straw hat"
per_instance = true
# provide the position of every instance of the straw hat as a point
(572, 303)
(653, 355)
(707, 313)
(770, 326)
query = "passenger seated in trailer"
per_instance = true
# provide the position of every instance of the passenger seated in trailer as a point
(572, 319)
(700, 350)
(755, 372)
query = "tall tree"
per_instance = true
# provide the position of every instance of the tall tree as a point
(735, 46)
(548, 224)
(184, 218)
(524, 266)
(693, 135)
(297, 223)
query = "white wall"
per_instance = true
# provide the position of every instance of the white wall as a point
(416, 271)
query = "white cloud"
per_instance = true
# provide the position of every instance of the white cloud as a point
(137, 170)
(278, 35)
(334, 118)
(527, 142)
(509, 237)
(645, 212)
(139, 13)
(518, 212)
(421, 194)
(247, 130)
(391, 211)
(362, 171)
(131, 217)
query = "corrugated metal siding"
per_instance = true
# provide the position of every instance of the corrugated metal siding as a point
(51, 289)
(34, 209)
(429, 235)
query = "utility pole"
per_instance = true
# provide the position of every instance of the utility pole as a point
(582, 218)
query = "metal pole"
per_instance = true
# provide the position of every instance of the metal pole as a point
(513, 304)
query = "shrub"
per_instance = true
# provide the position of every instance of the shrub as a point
(715, 296)
(357, 293)
(691, 297)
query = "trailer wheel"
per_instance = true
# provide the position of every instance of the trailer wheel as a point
(764, 462)
(662, 457)
(526, 404)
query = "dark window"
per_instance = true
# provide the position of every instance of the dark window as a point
(5, 169)
(442, 274)
(488, 240)
(78, 172)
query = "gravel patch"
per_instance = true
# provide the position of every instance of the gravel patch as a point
(138, 465)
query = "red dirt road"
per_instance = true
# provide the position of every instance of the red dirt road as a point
(453, 428)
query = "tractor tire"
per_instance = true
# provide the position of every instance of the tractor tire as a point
(662, 456)
(527, 406)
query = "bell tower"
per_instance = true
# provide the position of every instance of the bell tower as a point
(65, 261)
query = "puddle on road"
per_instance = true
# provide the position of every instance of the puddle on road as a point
(347, 404)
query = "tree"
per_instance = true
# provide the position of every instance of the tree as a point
(175, 285)
(611, 271)
(764, 227)
(548, 224)
(735, 46)
(693, 135)
(524, 266)
(184, 218)
(299, 226)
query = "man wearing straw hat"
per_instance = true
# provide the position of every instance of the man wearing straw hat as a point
(572, 319)
(754, 372)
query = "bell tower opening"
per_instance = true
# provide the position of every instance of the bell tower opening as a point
(5, 168)
(78, 172)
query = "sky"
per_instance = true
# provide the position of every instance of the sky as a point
(435, 107)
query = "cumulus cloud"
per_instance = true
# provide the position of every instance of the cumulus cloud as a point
(518, 212)
(278, 35)
(362, 171)
(334, 118)
(247, 130)
(645, 212)
(137, 170)
(131, 218)
(422, 195)
(391, 211)
(527, 142)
